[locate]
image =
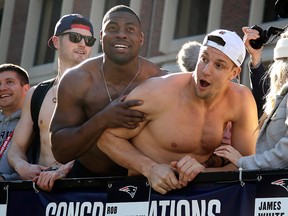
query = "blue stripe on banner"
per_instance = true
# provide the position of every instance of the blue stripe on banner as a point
(195, 199)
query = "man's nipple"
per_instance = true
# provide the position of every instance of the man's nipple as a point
(174, 145)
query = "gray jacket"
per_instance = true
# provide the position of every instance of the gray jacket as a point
(7, 125)
(272, 142)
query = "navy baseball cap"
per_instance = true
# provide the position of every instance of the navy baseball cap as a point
(68, 22)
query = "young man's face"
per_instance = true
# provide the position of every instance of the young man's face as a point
(12, 92)
(73, 52)
(121, 37)
(213, 72)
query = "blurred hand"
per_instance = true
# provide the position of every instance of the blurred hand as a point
(227, 134)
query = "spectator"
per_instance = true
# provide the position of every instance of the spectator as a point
(73, 39)
(188, 55)
(260, 82)
(14, 84)
(272, 143)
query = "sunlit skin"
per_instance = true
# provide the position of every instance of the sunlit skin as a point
(212, 77)
(69, 55)
(83, 113)
(121, 37)
(12, 92)
(186, 114)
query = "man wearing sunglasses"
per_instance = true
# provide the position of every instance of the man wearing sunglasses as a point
(73, 40)
(95, 102)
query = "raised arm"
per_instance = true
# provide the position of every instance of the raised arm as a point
(260, 84)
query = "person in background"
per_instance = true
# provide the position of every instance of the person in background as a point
(188, 55)
(185, 117)
(272, 142)
(260, 82)
(83, 113)
(14, 84)
(73, 39)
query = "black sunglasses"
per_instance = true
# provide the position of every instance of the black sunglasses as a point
(76, 38)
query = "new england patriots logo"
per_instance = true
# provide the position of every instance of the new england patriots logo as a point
(281, 182)
(131, 190)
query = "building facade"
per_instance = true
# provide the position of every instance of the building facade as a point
(26, 26)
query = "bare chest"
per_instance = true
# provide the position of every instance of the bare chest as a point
(46, 111)
(181, 132)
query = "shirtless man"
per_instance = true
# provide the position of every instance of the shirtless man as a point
(90, 96)
(185, 115)
(73, 39)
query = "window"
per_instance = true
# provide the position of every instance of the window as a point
(51, 11)
(196, 11)
(111, 3)
(1, 11)
(175, 29)
(269, 11)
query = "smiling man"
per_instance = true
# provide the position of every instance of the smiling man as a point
(95, 101)
(73, 40)
(185, 117)
(14, 84)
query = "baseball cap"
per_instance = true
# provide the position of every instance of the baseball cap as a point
(281, 49)
(70, 21)
(227, 42)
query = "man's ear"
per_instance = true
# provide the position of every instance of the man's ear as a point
(101, 33)
(235, 72)
(26, 87)
(56, 42)
(142, 38)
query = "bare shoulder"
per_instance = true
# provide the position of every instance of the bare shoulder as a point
(241, 90)
(240, 96)
(81, 77)
(151, 69)
(81, 72)
(27, 100)
(30, 92)
(161, 85)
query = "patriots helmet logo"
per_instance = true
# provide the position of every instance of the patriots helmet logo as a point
(281, 182)
(131, 190)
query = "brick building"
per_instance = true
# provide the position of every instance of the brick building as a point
(26, 25)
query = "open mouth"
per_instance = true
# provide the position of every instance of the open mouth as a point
(204, 83)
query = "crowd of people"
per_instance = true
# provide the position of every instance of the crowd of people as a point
(128, 116)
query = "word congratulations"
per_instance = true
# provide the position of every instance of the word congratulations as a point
(160, 207)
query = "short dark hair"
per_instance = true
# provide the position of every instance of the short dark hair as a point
(21, 72)
(120, 8)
